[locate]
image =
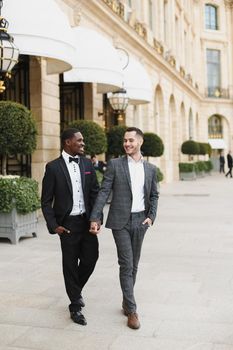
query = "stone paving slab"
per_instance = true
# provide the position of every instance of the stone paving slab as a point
(184, 289)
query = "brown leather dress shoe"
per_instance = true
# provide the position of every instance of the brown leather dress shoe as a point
(133, 321)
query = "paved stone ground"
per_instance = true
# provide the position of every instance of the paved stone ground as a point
(184, 288)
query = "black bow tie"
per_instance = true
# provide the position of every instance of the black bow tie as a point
(73, 159)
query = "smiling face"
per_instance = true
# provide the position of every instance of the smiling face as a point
(75, 145)
(132, 143)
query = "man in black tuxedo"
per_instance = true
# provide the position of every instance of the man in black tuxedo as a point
(69, 190)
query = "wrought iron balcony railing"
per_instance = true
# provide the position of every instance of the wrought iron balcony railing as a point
(217, 92)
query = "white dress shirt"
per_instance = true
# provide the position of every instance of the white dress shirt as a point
(137, 176)
(75, 176)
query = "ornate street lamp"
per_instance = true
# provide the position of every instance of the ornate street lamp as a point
(119, 99)
(9, 53)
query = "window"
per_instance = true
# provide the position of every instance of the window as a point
(213, 72)
(71, 102)
(150, 14)
(215, 130)
(211, 20)
(165, 20)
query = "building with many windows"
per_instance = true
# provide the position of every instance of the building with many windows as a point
(174, 58)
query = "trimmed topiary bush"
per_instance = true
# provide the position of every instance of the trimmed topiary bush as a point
(115, 137)
(93, 134)
(17, 131)
(152, 145)
(190, 147)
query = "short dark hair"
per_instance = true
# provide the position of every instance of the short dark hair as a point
(137, 130)
(68, 134)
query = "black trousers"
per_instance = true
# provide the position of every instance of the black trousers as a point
(229, 172)
(80, 253)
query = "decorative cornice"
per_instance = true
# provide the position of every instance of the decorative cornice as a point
(77, 13)
(229, 4)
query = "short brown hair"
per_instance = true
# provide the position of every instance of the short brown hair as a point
(137, 130)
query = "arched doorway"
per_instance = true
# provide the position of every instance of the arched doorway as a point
(218, 137)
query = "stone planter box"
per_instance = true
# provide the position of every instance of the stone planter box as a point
(14, 225)
(201, 174)
(188, 176)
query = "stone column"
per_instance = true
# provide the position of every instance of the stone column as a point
(44, 99)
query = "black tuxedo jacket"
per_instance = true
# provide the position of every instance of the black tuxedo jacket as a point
(57, 197)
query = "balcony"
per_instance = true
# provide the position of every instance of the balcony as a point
(217, 92)
(215, 132)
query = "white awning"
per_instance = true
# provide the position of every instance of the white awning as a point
(96, 61)
(217, 143)
(137, 83)
(40, 28)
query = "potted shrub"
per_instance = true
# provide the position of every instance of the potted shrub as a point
(115, 137)
(152, 145)
(94, 136)
(187, 171)
(190, 148)
(200, 168)
(19, 196)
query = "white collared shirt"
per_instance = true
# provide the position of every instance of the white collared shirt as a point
(75, 176)
(137, 176)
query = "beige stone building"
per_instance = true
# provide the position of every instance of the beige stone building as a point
(174, 58)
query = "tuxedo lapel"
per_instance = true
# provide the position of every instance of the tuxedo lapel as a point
(82, 172)
(66, 173)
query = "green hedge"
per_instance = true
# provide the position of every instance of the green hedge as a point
(186, 167)
(19, 192)
(159, 175)
(200, 166)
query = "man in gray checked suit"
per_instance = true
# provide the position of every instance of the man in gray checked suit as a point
(133, 208)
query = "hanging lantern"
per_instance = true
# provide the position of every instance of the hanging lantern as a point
(9, 53)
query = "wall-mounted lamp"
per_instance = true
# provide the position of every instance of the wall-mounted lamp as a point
(9, 53)
(119, 99)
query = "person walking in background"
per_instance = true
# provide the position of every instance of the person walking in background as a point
(222, 163)
(132, 210)
(98, 164)
(229, 164)
(69, 189)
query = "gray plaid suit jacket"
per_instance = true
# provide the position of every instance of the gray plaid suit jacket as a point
(117, 180)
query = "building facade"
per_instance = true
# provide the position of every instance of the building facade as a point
(174, 57)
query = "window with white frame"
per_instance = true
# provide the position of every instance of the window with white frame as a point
(213, 71)
(211, 17)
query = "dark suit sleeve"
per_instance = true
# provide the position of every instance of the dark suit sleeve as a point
(47, 198)
(154, 196)
(104, 193)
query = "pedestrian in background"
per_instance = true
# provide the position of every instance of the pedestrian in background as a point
(229, 164)
(132, 210)
(98, 164)
(69, 189)
(222, 163)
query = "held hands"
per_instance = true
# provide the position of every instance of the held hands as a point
(60, 230)
(95, 227)
(147, 221)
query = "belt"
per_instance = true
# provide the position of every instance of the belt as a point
(138, 213)
(83, 215)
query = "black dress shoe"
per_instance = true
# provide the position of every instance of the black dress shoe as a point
(78, 317)
(81, 302)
